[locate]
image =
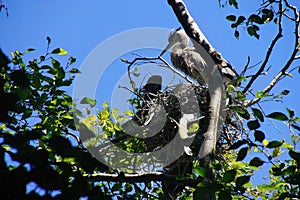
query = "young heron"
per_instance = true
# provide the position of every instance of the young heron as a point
(184, 58)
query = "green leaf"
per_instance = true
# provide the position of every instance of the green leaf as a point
(242, 154)
(241, 111)
(274, 144)
(254, 124)
(238, 144)
(27, 113)
(261, 94)
(259, 136)
(29, 50)
(268, 15)
(290, 112)
(258, 114)
(290, 170)
(48, 40)
(256, 162)
(255, 18)
(295, 155)
(278, 116)
(284, 195)
(224, 195)
(90, 101)
(59, 51)
(240, 20)
(231, 18)
(236, 34)
(200, 171)
(229, 176)
(295, 126)
(198, 194)
(128, 112)
(240, 181)
(124, 60)
(285, 92)
(74, 71)
(72, 60)
(252, 31)
(233, 3)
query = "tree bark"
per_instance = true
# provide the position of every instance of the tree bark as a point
(216, 64)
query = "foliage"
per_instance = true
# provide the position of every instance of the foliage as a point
(40, 157)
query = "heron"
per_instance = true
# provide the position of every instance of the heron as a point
(189, 60)
(183, 57)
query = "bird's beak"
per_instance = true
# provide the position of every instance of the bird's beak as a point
(167, 48)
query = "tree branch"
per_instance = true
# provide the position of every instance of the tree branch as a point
(140, 178)
(269, 52)
(193, 31)
(290, 60)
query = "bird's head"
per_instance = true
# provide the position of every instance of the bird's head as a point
(176, 36)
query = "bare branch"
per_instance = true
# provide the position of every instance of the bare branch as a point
(175, 71)
(283, 71)
(246, 66)
(140, 178)
(269, 52)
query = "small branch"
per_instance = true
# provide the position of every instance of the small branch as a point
(246, 66)
(175, 71)
(291, 59)
(131, 63)
(269, 52)
(140, 178)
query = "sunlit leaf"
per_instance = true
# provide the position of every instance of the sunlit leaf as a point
(200, 171)
(260, 94)
(276, 152)
(59, 51)
(287, 146)
(90, 101)
(29, 50)
(114, 113)
(128, 112)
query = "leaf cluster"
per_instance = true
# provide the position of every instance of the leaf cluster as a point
(38, 158)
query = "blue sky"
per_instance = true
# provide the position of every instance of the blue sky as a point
(79, 26)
